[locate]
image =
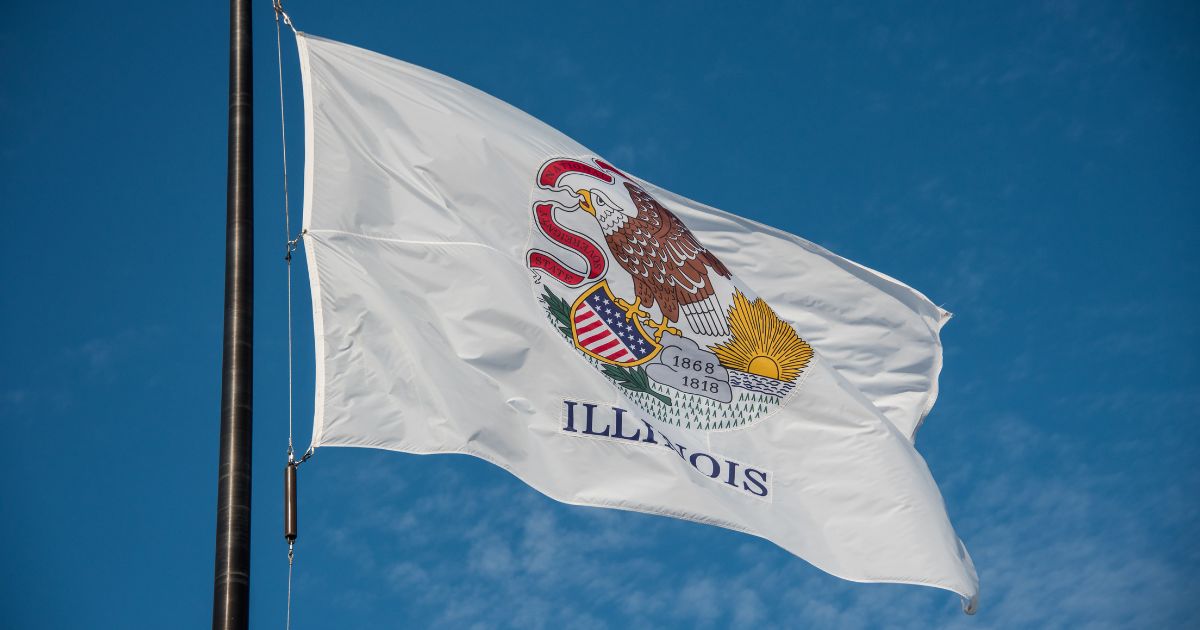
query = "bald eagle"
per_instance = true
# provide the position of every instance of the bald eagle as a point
(669, 266)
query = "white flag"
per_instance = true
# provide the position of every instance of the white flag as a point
(483, 284)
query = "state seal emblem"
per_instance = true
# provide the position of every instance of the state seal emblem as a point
(629, 286)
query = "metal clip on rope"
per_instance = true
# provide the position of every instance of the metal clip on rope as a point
(278, 6)
(292, 246)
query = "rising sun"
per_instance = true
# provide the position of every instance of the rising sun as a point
(762, 343)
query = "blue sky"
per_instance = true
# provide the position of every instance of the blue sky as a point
(1030, 166)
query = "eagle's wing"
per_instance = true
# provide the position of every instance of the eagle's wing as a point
(681, 261)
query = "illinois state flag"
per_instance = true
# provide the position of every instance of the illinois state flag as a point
(483, 284)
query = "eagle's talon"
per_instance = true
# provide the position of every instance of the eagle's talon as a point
(634, 310)
(660, 328)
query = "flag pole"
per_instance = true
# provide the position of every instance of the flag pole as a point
(231, 583)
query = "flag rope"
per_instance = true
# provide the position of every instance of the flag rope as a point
(292, 244)
(287, 214)
(291, 557)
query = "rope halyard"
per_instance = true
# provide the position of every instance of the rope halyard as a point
(291, 561)
(287, 214)
(291, 245)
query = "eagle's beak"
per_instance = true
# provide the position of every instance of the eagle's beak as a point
(585, 201)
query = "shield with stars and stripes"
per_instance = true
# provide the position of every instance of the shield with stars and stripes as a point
(603, 330)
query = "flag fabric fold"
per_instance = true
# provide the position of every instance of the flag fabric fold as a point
(483, 284)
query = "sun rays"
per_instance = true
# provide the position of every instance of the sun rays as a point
(762, 343)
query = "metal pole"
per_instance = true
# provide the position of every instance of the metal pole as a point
(231, 585)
